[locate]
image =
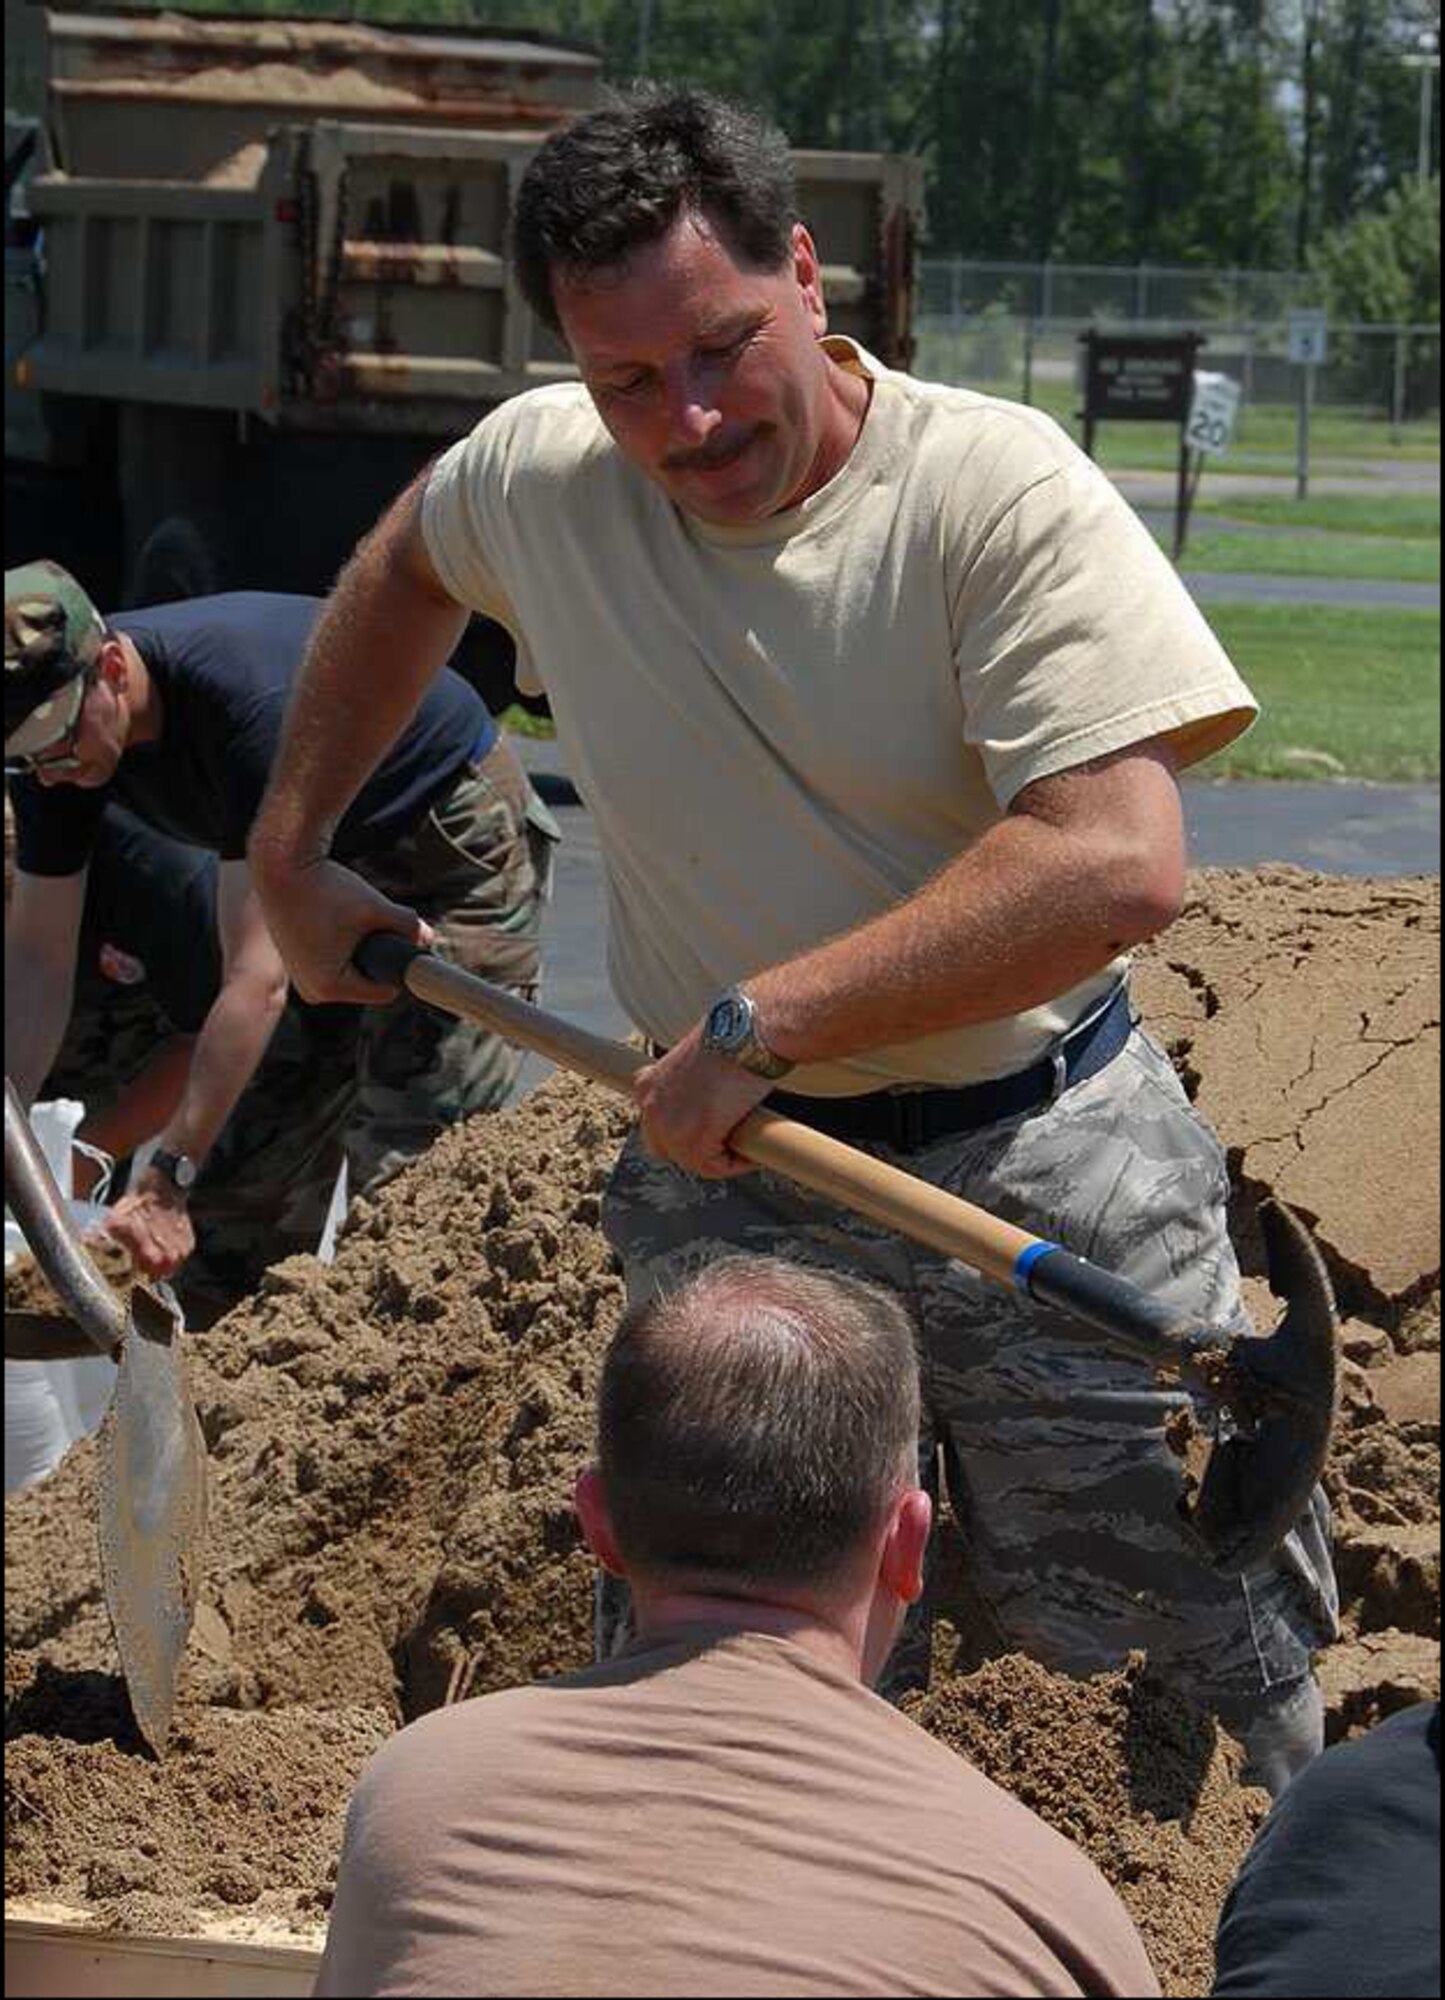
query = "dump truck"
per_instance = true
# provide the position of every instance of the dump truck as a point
(257, 276)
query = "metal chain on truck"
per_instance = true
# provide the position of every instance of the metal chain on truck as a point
(306, 206)
(318, 330)
(328, 310)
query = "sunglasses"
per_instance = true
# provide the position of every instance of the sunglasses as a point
(60, 754)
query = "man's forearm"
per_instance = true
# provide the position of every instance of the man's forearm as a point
(378, 644)
(37, 1011)
(226, 1055)
(1028, 912)
(146, 1101)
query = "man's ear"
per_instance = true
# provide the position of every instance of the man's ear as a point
(594, 1519)
(901, 1569)
(112, 663)
(808, 272)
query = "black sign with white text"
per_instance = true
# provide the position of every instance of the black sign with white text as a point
(1138, 378)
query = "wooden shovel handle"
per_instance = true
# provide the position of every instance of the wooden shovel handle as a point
(841, 1173)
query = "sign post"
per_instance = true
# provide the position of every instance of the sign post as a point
(1309, 346)
(1209, 432)
(1143, 378)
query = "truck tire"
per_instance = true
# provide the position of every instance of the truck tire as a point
(176, 560)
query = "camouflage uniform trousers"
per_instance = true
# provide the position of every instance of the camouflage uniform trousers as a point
(1052, 1448)
(377, 1085)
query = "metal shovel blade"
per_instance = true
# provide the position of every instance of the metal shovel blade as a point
(1279, 1393)
(152, 1481)
(152, 1506)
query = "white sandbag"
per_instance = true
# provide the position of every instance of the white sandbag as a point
(52, 1405)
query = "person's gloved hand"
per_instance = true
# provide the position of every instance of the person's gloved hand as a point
(152, 1226)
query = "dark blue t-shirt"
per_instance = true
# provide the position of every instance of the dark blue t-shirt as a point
(152, 899)
(223, 667)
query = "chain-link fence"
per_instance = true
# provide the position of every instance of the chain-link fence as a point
(1013, 329)
(958, 288)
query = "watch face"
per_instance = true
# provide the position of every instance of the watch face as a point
(727, 1023)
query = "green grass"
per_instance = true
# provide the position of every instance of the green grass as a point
(520, 721)
(1369, 556)
(1344, 693)
(1406, 517)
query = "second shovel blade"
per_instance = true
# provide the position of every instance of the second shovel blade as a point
(152, 1510)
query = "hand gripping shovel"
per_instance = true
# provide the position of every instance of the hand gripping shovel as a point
(151, 1501)
(1263, 1407)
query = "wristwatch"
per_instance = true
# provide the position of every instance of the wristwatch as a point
(178, 1168)
(731, 1030)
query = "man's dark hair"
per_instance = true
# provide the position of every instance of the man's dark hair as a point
(620, 177)
(755, 1424)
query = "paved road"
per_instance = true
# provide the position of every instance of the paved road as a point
(1338, 828)
(1355, 592)
(1372, 478)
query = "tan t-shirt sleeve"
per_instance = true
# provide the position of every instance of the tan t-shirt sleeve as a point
(1074, 637)
(465, 524)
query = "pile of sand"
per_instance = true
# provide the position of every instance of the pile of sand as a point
(393, 1440)
(266, 83)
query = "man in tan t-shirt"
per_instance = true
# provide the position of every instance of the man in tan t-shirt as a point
(726, 1809)
(877, 693)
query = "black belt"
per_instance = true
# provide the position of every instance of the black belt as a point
(909, 1120)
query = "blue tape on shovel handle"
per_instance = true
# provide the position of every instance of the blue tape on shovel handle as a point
(1026, 1260)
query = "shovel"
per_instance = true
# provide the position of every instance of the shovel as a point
(151, 1497)
(1254, 1437)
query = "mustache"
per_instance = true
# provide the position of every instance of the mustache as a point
(711, 456)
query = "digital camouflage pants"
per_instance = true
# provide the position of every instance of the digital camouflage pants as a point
(1052, 1448)
(376, 1085)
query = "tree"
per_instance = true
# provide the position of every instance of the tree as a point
(1360, 106)
(1384, 268)
(1224, 132)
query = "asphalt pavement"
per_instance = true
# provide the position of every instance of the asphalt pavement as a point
(1236, 587)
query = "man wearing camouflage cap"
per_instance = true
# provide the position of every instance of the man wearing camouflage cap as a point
(175, 712)
(53, 637)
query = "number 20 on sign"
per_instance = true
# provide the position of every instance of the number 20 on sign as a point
(1213, 413)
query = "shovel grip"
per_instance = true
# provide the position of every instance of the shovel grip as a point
(1130, 1318)
(384, 956)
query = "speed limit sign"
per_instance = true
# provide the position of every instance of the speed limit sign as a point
(1213, 412)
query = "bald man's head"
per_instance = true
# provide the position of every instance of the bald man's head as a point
(756, 1424)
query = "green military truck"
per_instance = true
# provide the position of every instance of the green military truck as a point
(258, 277)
